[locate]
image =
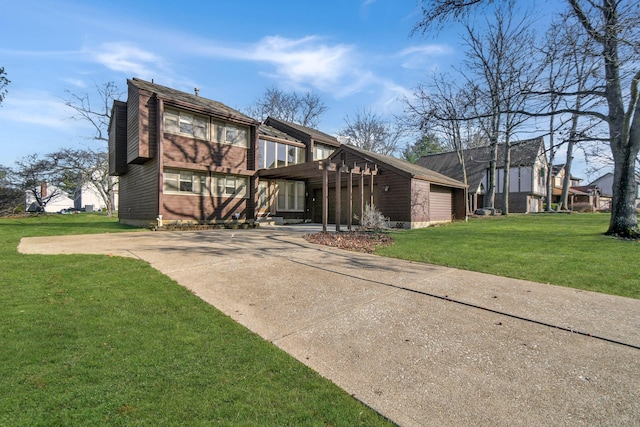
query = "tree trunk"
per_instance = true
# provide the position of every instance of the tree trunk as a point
(491, 192)
(624, 216)
(505, 180)
(566, 182)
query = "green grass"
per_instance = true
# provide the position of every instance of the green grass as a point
(98, 340)
(565, 250)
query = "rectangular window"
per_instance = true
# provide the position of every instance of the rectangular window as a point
(276, 155)
(183, 123)
(321, 151)
(226, 133)
(230, 186)
(184, 182)
(291, 195)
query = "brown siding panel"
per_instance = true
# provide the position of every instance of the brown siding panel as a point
(139, 192)
(204, 208)
(178, 148)
(441, 203)
(141, 126)
(118, 139)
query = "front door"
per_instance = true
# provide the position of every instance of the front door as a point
(266, 198)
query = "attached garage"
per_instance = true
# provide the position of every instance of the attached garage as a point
(441, 206)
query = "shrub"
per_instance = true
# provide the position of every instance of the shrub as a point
(372, 219)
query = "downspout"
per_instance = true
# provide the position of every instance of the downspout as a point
(159, 138)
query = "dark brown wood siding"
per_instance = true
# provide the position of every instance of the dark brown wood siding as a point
(440, 203)
(189, 150)
(204, 208)
(393, 197)
(459, 204)
(118, 139)
(141, 126)
(138, 192)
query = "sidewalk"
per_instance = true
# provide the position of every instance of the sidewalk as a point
(421, 344)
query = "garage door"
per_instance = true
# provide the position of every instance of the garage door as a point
(441, 203)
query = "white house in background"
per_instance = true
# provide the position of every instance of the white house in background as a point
(86, 198)
(60, 201)
(605, 184)
(89, 199)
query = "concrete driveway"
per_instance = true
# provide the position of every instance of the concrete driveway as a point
(421, 344)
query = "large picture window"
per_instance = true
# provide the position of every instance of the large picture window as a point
(183, 123)
(276, 155)
(290, 196)
(184, 182)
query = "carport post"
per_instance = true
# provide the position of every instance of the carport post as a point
(325, 197)
(350, 193)
(338, 197)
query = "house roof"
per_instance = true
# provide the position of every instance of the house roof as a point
(402, 166)
(267, 130)
(523, 153)
(314, 134)
(191, 100)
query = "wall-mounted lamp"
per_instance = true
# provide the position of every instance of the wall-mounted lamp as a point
(386, 188)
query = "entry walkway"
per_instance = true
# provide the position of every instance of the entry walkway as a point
(423, 345)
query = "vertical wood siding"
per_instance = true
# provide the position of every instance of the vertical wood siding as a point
(440, 203)
(118, 139)
(138, 192)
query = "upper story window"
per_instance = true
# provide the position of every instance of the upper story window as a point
(276, 155)
(183, 123)
(321, 151)
(227, 133)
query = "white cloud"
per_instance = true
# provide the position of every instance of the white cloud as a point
(40, 109)
(420, 57)
(127, 58)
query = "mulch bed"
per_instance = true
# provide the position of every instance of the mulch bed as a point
(366, 242)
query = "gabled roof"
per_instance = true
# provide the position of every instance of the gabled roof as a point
(314, 134)
(402, 166)
(191, 100)
(523, 153)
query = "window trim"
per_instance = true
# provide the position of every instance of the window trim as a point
(203, 181)
(282, 191)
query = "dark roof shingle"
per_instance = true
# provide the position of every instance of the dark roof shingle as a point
(209, 105)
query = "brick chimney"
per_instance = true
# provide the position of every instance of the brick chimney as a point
(43, 189)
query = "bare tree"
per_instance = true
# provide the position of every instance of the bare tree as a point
(3, 84)
(444, 109)
(367, 130)
(614, 26)
(95, 110)
(11, 198)
(37, 175)
(78, 168)
(500, 63)
(305, 109)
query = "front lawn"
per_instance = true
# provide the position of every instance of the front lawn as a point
(98, 340)
(561, 249)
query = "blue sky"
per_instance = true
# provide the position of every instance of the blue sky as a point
(355, 54)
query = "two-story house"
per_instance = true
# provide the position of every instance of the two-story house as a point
(182, 157)
(526, 174)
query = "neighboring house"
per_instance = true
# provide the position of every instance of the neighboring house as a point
(527, 174)
(605, 184)
(58, 202)
(181, 157)
(580, 197)
(88, 198)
